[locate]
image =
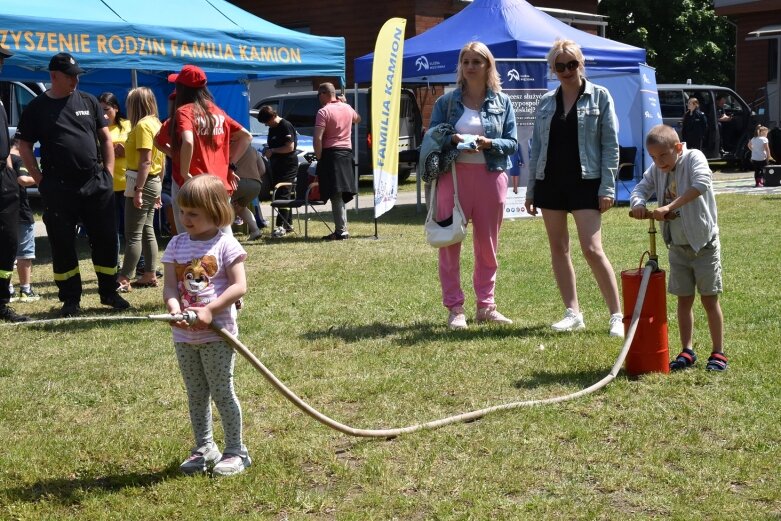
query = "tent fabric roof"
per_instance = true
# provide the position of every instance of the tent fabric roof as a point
(511, 29)
(163, 35)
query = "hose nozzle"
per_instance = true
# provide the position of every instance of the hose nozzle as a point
(188, 316)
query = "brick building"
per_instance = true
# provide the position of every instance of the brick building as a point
(758, 51)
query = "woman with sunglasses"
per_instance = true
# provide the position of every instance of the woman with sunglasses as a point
(572, 168)
(482, 115)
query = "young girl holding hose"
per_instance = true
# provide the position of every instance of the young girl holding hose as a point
(204, 273)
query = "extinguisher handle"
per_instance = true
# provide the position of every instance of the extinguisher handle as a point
(648, 215)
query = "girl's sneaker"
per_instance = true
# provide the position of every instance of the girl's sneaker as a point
(231, 464)
(28, 295)
(199, 460)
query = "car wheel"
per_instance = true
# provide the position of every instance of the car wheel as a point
(404, 175)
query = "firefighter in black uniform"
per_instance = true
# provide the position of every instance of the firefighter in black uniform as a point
(9, 214)
(75, 186)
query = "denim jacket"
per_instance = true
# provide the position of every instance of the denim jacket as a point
(597, 138)
(498, 119)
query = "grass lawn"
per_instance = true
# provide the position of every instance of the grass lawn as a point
(94, 417)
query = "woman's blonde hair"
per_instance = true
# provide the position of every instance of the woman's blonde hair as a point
(695, 101)
(570, 47)
(492, 79)
(140, 103)
(206, 192)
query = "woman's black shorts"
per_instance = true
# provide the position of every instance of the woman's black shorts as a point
(566, 192)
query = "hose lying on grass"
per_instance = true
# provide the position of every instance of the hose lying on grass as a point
(390, 433)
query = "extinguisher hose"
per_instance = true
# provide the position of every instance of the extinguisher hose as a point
(464, 417)
(239, 347)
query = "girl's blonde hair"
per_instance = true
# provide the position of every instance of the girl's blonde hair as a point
(140, 103)
(206, 192)
(759, 129)
(492, 80)
(570, 47)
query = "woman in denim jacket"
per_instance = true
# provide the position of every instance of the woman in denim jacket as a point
(572, 168)
(484, 116)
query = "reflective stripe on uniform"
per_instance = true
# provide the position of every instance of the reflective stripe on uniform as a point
(67, 274)
(106, 270)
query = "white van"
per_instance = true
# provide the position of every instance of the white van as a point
(16, 95)
(300, 109)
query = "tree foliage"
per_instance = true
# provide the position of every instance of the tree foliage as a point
(683, 39)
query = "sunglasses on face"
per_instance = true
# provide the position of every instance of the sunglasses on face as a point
(570, 65)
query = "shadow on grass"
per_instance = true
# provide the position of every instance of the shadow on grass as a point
(574, 378)
(411, 334)
(73, 491)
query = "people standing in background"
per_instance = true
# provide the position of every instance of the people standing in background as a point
(144, 168)
(572, 169)
(760, 154)
(250, 168)
(476, 109)
(333, 148)
(281, 153)
(200, 137)
(9, 214)
(74, 184)
(694, 125)
(25, 253)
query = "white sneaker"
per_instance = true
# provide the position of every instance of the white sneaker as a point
(456, 319)
(231, 464)
(198, 461)
(490, 314)
(616, 325)
(571, 322)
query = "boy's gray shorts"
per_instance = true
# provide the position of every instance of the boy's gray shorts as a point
(690, 269)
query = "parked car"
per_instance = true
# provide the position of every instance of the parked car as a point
(16, 95)
(300, 108)
(259, 133)
(726, 141)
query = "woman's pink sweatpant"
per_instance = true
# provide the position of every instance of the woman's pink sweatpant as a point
(482, 195)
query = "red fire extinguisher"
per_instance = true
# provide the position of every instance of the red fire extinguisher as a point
(648, 352)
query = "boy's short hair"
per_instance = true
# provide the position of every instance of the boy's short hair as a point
(206, 192)
(663, 135)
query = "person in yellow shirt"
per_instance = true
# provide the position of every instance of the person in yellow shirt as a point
(144, 186)
(118, 127)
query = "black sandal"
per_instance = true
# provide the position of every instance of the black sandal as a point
(717, 362)
(684, 360)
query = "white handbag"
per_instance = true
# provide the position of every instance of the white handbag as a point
(451, 230)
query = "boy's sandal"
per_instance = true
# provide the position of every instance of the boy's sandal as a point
(717, 362)
(684, 360)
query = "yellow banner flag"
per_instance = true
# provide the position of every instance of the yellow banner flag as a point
(385, 99)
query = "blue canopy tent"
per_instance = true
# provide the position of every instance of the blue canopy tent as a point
(516, 29)
(120, 43)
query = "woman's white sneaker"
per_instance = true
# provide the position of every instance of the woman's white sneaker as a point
(456, 319)
(490, 314)
(616, 325)
(571, 322)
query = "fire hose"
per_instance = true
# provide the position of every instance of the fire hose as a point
(190, 317)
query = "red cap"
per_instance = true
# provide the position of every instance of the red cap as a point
(189, 76)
